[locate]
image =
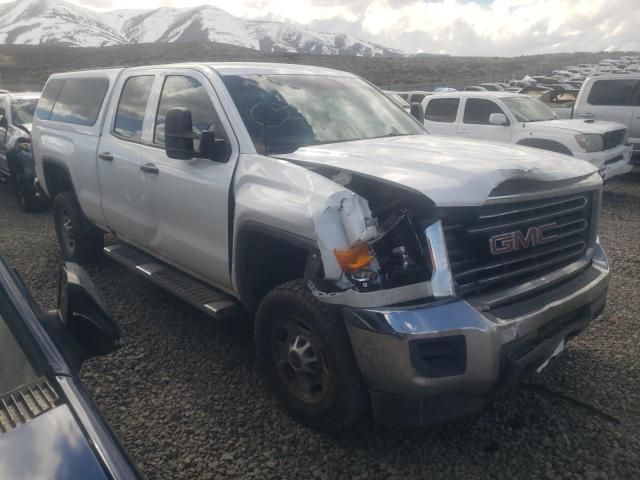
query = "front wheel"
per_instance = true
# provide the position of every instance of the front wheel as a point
(306, 354)
(80, 241)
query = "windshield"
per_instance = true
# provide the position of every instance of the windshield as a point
(22, 110)
(285, 112)
(527, 109)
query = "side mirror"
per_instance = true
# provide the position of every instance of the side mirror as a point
(216, 149)
(178, 134)
(417, 111)
(84, 323)
(498, 119)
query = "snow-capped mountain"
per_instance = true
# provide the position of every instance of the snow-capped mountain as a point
(37, 22)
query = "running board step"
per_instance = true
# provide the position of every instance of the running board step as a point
(205, 298)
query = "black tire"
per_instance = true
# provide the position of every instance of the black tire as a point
(79, 240)
(339, 396)
(26, 192)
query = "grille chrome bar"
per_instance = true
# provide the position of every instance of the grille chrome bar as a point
(519, 259)
(536, 267)
(477, 270)
(534, 207)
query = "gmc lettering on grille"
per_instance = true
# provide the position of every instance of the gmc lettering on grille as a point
(512, 241)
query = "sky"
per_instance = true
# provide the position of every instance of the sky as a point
(457, 27)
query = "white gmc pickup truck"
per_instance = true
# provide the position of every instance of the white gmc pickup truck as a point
(386, 269)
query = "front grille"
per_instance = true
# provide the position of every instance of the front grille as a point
(26, 403)
(468, 232)
(614, 138)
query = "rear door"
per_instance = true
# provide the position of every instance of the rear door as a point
(475, 121)
(441, 115)
(190, 198)
(124, 187)
(4, 126)
(634, 130)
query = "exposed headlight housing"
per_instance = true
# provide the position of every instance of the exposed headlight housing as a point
(591, 142)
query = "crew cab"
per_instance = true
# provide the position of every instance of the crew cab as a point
(523, 120)
(613, 98)
(385, 268)
(16, 160)
(49, 425)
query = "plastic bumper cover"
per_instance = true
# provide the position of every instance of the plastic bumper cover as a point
(431, 363)
(612, 162)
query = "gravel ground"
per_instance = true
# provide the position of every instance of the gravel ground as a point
(185, 395)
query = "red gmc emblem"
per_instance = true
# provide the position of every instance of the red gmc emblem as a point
(512, 241)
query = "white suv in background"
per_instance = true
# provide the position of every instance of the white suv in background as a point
(615, 98)
(523, 120)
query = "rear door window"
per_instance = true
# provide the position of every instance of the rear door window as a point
(442, 110)
(132, 107)
(478, 110)
(48, 98)
(612, 93)
(80, 100)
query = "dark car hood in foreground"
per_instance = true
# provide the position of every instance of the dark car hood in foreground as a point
(50, 447)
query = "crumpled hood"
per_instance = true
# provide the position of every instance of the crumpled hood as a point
(451, 171)
(580, 126)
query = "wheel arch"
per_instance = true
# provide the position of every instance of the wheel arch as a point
(266, 257)
(57, 177)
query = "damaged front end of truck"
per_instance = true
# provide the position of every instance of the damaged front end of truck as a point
(378, 244)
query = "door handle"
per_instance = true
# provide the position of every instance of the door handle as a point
(149, 168)
(106, 156)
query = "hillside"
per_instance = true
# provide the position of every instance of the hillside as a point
(27, 67)
(36, 22)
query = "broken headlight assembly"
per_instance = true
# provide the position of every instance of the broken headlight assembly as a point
(393, 258)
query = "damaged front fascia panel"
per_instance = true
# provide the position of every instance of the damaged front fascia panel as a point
(347, 220)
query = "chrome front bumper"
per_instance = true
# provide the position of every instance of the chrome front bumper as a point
(434, 362)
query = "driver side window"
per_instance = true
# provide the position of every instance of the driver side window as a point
(478, 110)
(187, 92)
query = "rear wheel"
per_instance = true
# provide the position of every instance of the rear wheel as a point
(79, 240)
(305, 351)
(26, 192)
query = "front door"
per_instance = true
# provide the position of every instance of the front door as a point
(190, 198)
(475, 121)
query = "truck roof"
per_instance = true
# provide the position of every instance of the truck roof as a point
(20, 95)
(222, 68)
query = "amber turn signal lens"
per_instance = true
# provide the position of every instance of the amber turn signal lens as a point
(355, 257)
